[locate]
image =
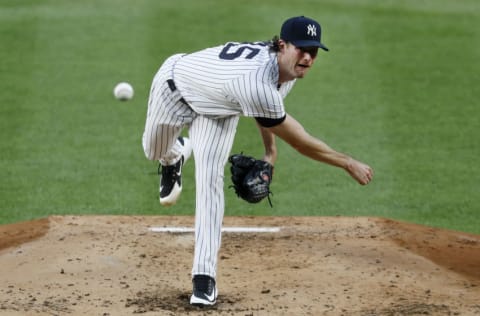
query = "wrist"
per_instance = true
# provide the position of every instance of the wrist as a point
(270, 157)
(349, 164)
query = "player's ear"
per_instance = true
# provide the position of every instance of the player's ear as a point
(281, 44)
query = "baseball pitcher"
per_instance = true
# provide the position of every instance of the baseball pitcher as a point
(206, 92)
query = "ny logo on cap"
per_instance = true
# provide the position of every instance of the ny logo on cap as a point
(311, 30)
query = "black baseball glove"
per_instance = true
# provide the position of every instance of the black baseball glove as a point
(251, 178)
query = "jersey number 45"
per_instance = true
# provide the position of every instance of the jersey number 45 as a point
(234, 50)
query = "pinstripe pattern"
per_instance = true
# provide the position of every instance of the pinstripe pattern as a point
(219, 84)
(219, 87)
(166, 117)
(212, 140)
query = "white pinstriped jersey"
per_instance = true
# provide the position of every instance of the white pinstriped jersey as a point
(232, 79)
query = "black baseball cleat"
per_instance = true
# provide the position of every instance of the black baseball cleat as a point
(171, 176)
(205, 291)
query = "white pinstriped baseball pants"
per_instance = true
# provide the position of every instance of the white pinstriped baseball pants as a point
(212, 140)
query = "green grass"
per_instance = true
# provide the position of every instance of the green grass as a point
(399, 90)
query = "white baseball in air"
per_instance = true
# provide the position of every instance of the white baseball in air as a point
(123, 91)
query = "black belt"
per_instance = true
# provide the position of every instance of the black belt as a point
(173, 87)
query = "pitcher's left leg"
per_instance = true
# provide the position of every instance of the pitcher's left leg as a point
(212, 141)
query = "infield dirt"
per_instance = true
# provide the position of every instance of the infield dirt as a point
(110, 265)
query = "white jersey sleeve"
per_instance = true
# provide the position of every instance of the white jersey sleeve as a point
(232, 79)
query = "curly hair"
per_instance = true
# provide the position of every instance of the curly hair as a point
(274, 44)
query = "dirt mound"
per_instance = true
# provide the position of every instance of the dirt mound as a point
(106, 265)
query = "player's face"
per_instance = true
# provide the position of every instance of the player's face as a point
(294, 62)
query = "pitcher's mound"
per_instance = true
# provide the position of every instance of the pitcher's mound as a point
(111, 265)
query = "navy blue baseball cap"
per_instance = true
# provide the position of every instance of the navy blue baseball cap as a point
(302, 32)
